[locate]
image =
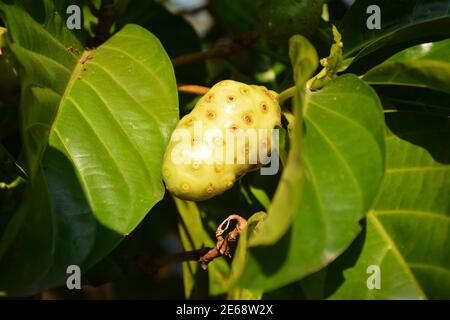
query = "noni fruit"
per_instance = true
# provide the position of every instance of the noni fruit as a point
(227, 134)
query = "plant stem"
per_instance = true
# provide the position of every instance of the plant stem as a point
(286, 94)
(215, 53)
(192, 88)
(12, 185)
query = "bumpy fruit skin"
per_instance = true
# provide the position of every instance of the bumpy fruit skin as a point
(228, 106)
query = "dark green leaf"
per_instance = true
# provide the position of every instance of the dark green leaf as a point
(303, 57)
(408, 228)
(419, 99)
(275, 19)
(403, 23)
(426, 65)
(80, 112)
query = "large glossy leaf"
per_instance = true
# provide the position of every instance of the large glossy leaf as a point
(426, 65)
(419, 99)
(343, 153)
(403, 23)
(408, 229)
(95, 126)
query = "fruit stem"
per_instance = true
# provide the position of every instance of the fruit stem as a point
(192, 88)
(286, 94)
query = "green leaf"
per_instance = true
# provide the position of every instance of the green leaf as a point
(337, 177)
(260, 190)
(419, 99)
(274, 19)
(241, 253)
(426, 65)
(303, 57)
(95, 127)
(284, 142)
(403, 23)
(408, 228)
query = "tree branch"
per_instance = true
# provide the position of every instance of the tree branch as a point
(215, 53)
(223, 245)
(203, 256)
(106, 15)
(152, 266)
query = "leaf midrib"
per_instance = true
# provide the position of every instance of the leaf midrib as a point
(421, 213)
(108, 152)
(128, 94)
(149, 71)
(429, 266)
(75, 72)
(391, 245)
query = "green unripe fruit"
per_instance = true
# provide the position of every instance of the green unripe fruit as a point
(205, 157)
